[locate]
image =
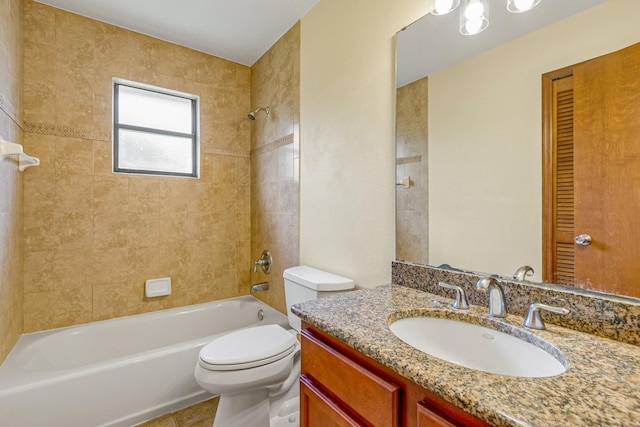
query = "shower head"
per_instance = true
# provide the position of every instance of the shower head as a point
(252, 115)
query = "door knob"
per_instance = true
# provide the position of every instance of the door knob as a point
(583, 239)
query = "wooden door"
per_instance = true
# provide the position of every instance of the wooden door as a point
(606, 172)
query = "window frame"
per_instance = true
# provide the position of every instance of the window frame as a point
(194, 135)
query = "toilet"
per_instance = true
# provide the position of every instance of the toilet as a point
(256, 370)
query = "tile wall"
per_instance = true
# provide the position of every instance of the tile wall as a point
(11, 181)
(275, 82)
(411, 160)
(91, 238)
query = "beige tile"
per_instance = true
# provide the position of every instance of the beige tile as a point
(73, 230)
(117, 299)
(110, 230)
(109, 266)
(38, 230)
(73, 193)
(174, 227)
(71, 269)
(74, 156)
(38, 271)
(144, 195)
(110, 194)
(143, 229)
(38, 311)
(72, 306)
(102, 160)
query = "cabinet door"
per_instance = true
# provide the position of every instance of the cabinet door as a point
(372, 397)
(319, 410)
(427, 417)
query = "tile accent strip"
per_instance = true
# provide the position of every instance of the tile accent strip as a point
(66, 131)
(604, 315)
(280, 142)
(237, 152)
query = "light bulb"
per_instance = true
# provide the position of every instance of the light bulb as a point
(519, 6)
(442, 7)
(473, 26)
(523, 5)
(474, 10)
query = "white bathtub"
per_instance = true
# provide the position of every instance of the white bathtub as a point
(117, 372)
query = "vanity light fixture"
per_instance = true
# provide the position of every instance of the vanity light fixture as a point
(474, 14)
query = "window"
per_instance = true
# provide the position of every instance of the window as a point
(155, 130)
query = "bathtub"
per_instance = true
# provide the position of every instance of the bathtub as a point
(118, 372)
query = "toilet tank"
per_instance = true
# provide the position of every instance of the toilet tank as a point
(304, 283)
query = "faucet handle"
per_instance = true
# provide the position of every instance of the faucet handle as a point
(534, 320)
(460, 302)
(522, 273)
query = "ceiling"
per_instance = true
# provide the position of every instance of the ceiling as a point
(434, 42)
(238, 30)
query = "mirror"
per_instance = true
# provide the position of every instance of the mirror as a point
(475, 195)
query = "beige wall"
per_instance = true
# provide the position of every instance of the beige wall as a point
(485, 140)
(11, 181)
(347, 148)
(275, 82)
(91, 237)
(412, 135)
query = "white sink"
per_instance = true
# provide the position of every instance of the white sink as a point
(476, 347)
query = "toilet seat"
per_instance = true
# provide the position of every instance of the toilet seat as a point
(247, 348)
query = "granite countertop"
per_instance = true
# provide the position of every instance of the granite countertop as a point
(601, 386)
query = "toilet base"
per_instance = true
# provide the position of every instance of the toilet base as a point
(243, 409)
(253, 410)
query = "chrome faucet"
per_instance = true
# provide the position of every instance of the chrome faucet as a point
(496, 295)
(522, 273)
(534, 320)
(460, 302)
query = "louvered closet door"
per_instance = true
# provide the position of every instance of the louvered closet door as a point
(563, 196)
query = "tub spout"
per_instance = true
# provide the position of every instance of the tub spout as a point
(264, 286)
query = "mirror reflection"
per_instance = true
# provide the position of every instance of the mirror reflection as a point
(469, 136)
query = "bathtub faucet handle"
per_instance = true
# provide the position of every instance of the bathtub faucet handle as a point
(265, 262)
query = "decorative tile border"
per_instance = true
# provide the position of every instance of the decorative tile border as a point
(237, 152)
(280, 142)
(410, 159)
(66, 131)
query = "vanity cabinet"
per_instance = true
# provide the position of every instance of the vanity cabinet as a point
(342, 387)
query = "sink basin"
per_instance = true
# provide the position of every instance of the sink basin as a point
(476, 347)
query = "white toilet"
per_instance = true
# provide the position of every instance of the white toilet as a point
(256, 370)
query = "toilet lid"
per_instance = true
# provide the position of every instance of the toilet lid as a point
(247, 348)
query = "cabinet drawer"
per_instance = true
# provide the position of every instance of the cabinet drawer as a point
(427, 417)
(366, 393)
(319, 410)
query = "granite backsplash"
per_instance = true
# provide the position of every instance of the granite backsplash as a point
(604, 315)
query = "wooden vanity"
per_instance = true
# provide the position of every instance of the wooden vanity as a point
(341, 387)
(356, 372)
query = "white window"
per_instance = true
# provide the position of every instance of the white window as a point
(155, 130)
